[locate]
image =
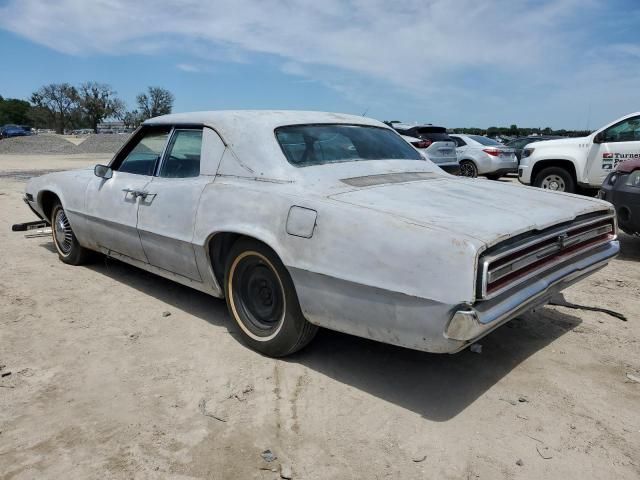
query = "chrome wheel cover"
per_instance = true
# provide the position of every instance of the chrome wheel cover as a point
(553, 182)
(63, 235)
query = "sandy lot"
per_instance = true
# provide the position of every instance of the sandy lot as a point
(105, 384)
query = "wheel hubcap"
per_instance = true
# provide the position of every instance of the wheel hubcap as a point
(553, 182)
(258, 295)
(63, 233)
(467, 170)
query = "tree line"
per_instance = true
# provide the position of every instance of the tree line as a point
(62, 106)
(515, 131)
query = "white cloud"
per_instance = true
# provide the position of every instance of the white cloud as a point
(403, 42)
(187, 67)
(424, 47)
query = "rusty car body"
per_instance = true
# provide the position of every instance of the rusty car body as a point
(358, 236)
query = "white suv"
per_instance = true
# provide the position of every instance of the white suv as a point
(570, 164)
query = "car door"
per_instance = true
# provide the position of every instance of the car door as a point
(166, 215)
(111, 204)
(611, 146)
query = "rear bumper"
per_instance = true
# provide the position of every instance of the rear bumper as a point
(488, 164)
(427, 325)
(470, 324)
(502, 171)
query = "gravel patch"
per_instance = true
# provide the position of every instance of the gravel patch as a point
(37, 144)
(102, 143)
(25, 175)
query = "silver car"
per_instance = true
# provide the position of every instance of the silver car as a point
(480, 155)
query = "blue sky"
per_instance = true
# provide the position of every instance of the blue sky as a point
(562, 63)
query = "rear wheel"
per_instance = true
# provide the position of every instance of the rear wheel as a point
(262, 300)
(65, 241)
(555, 178)
(468, 169)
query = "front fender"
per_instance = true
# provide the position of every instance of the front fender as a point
(70, 188)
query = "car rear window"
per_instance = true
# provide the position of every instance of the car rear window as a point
(484, 140)
(435, 134)
(306, 145)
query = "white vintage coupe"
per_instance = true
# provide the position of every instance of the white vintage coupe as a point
(307, 219)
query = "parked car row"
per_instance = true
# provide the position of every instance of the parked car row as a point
(466, 155)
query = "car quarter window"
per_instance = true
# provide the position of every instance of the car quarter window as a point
(459, 141)
(144, 155)
(626, 131)
(182, 159)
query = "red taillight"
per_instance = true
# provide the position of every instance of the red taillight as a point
(421, 143)
(494, 152)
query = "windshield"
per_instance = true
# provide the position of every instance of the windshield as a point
(484, 140)
(306, 145)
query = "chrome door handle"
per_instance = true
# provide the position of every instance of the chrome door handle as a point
(135, 193)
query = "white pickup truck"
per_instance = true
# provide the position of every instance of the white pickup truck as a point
(574, 164)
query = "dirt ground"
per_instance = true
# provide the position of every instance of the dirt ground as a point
(116, 373)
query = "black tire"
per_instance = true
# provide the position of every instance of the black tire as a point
(65, 241)
(262, 300)
(555, 178)
(493, 176)
(468, 169)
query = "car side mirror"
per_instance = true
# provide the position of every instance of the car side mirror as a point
(103, 171)
(599, 138)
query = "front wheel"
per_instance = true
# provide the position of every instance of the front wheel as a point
(262, 300)
(65, 241)
(555, 178)
(468, 169)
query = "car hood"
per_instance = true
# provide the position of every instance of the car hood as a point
(485, 210)
(558, 142)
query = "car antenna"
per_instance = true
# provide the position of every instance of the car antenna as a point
(365, 112)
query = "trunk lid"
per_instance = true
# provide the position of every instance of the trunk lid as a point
(485, 210)
(442, 152)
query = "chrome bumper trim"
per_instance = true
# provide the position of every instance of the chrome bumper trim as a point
(472, 323)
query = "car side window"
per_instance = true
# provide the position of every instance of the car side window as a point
(142, 159)
(459, 141)
(183, 155)
(626, 131)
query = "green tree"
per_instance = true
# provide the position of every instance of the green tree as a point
(131, 118)
(56, 102)
(13, 110)
(157, 101)
(97, 102)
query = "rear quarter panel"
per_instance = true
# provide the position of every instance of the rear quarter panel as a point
(349, 243)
